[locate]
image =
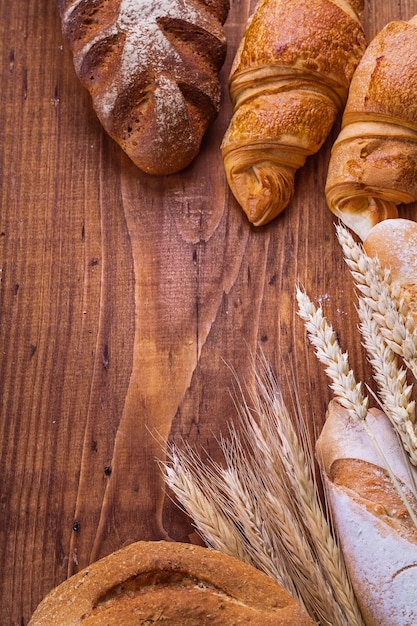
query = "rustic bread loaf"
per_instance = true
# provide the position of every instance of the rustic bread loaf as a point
(376, 533)
(151, 67)
(169, 583)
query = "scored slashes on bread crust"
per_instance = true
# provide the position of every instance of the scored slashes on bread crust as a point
(171, 583)
(151, 68)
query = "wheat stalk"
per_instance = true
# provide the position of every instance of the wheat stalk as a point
(201, 503)
(383, 298)
(296, 463)
(263, 505)
(246, 497)
(387, 329)
(347, 391)
(394, 392)
(322, 336)
(290, 508)
(267, 501)
(223, 515)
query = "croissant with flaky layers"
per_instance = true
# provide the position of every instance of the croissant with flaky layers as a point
(152, 69)
(373, 165)
(289, 80)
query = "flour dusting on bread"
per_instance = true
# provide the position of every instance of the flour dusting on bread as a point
(152, 71)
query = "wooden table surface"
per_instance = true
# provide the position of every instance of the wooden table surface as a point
(126, 302)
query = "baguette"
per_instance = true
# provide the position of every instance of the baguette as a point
(373, 164)
(169, 583)
(376, 533)
(152, 71)
(288, 82)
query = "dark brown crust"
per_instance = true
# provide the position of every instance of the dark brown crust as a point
(158, 105)
(183, 584)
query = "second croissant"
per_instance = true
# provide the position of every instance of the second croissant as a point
(373, 164)
(289, 80)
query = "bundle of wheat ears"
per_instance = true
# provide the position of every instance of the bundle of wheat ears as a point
(263, 504)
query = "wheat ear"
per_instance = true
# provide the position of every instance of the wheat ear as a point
(187, 477)
(347, 391)
(322, 336)
(268, 500)
(224, 509)
(276, 435)
(387, 331)
(389, 309)
(394, 392)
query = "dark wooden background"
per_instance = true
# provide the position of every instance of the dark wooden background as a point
(125, 303)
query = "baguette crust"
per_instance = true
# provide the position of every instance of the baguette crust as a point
(172, 583)
(152, 71)
(377, 536)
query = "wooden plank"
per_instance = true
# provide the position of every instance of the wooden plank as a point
(125, 303)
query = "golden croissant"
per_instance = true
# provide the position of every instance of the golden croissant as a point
(289, 80)
(373, 165)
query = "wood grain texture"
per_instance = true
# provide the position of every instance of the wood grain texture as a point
(125, 303)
